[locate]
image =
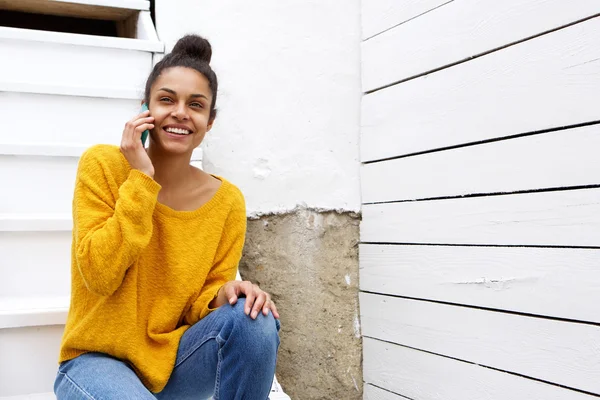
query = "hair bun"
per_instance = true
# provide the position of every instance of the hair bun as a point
(193, 46)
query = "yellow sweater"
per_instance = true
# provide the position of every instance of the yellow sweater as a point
(142, 273)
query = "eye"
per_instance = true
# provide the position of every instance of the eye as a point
(166, 99)
(196, 105)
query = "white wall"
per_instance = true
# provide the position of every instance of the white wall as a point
(481, 229)
(289, 101)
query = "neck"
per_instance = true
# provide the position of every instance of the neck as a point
(170, 171)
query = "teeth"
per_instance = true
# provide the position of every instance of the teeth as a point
(178, 131)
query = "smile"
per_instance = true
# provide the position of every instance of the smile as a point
(178, 131)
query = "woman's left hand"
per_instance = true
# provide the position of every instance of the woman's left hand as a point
(256, 298)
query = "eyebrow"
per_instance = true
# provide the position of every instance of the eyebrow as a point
(175, 93)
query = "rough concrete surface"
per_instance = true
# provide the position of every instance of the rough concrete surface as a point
(308, 261)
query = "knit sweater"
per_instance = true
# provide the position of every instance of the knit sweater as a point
(142, 272)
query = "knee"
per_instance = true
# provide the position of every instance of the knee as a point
(261, 333)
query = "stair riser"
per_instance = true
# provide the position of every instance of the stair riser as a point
(73, 65)
(45, 118)
(29, 359)
(35, 264)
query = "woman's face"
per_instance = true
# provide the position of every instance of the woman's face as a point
(180, 101)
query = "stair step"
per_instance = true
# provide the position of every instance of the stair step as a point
(17, 312)
(29, 359)
(36, 396)
(42, 272)
(43, 168)
(66, 63)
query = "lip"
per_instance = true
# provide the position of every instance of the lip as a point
(178, 126)
(175, 135)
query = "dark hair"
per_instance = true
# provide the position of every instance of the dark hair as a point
(191, 51)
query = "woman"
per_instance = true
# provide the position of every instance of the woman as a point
(155, 310)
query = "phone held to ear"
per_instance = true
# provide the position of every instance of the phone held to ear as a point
(146, 132)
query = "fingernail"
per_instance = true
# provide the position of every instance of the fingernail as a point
(254, 315)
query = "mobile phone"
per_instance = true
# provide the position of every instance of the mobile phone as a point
(146, 132)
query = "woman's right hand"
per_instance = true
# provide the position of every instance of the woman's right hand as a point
(131, 143)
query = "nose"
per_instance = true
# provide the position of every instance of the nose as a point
(180, 112)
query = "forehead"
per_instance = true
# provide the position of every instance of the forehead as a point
(184, 81)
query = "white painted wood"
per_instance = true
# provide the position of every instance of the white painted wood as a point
(36, 349)
(145, 27)
(58, 150)
(66, 90)
(17, 312)
(37, 184)
(419, 375)
(29, 35)
(374, 393)
(568, 218)
(548, 82)
(554, 351)
(74, 68)
(544, 281)
(456, 31)
(35, 222)
(35, 264)
(35, 396)
(379, 15)
(82, 123)
(44, 170)
(556, 159)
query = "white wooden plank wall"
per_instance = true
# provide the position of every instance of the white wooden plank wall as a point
(481, 191)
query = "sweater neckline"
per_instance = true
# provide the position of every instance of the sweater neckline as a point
(203, 209)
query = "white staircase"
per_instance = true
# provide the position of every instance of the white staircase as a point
(59, 94)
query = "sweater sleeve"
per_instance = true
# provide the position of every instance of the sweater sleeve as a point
(109, 234)
(227, 258)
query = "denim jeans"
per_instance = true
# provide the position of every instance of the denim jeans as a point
(226, 355)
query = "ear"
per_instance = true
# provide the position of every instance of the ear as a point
(210, 125)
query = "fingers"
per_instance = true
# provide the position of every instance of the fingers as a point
(257, 300)
(231, 294)
(248, 289)
(260, 301)
(270, 305)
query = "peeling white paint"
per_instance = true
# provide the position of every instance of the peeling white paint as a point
(356, 326)
(299, 207)
(355, 384)
(496, 284)
(348, 281)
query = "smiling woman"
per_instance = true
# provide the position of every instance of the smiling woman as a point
(156, 311)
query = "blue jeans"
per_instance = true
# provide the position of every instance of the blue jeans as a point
(226, 355)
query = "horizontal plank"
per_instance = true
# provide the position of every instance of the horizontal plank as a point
(419, 375)
(17, 312)
(35, 222)
(551, 160)
(71, 150)
(50, 109)
(379, 15)
(36, 349)
(45, 272)
(75, 68)
(549, 350)
(460, 30)
(551, 81)
(70, 90)
(566, 218)
(45, 169)
(30, 35)
(560, 283)
(374, 393)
